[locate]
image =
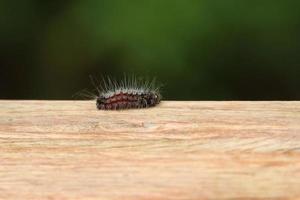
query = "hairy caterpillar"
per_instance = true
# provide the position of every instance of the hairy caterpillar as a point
(128, 93)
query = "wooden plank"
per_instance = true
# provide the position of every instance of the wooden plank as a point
(178, 150)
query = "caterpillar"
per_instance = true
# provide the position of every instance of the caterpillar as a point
(129, 93)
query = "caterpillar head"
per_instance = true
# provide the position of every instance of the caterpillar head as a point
(153, 98)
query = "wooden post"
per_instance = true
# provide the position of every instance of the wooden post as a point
(177, 150)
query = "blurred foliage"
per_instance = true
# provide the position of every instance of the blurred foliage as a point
(198, 49)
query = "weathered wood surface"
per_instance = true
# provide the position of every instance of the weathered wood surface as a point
(178, 150)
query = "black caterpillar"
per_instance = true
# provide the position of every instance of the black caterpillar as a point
(127, 93)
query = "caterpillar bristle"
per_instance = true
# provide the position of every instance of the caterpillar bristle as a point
(85, 94)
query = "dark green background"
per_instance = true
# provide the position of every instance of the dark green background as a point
(199, 49)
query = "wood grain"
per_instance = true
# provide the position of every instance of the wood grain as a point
(178, 150)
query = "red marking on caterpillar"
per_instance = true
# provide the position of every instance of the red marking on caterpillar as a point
(126, 94)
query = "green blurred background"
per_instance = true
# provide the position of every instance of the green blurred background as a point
(198, 49)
